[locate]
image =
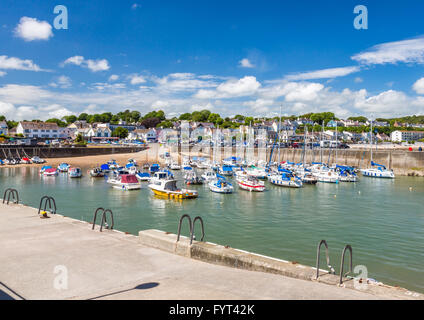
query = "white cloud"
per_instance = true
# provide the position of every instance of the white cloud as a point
(62, 82)
(358, 80)
(135, 6)
(294, 91)
(18, 64)
(245, 63)
(419, 86)
(31, 29)
(113, 77)
(231, 89)
(323, 74)
(2, 73)
(93, 65)
(259, 105)
(136, 79)
(406, 51)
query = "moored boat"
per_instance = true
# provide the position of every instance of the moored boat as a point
(97, 172)
(209, 175)
(125, 182)
(63, 167)
(250, 183)
(378, 171)
(167, 188)
(221, 185)
(285, 178)
(50, 172)
(75, 172)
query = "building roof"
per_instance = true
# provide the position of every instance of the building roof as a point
(39, 125)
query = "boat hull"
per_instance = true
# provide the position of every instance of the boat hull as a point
(173, 194)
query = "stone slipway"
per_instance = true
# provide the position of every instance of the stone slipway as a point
(115, 265)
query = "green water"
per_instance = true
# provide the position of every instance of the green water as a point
(383, 220)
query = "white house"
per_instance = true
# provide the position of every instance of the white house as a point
(399, 136)
(38, 130)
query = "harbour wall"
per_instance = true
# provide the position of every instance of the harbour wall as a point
(51, 152)
(403, 162)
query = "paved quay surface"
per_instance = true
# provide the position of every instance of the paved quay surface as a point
(113, 265)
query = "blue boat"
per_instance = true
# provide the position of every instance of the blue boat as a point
(226, 170)
(154, 168)
(221, 185)
(63, 167)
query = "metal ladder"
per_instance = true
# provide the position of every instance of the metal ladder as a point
(332, 271)
(104, 212)
(191, 226)
(11, 193)
(50, 201)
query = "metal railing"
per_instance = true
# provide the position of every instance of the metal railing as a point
(50, 201)
(11, 193)
(347, 247)
(191, 224)
(323, 242)
(104, 219)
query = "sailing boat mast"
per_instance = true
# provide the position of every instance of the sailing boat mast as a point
(371, 138)
(279, 138)
(337, 141)
(320, 140)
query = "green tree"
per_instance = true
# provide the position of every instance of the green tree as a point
(83, 116)
(120, 132)
(70, 119)
(185, 116)
(57, 121)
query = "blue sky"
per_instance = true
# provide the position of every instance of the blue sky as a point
(231, 57)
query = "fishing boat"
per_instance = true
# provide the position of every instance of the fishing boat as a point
(50, 172)
(168, 188)
(226, 170)
(378, 171)
(127, 182)
(285, 178)
(75, 173)
(191, 177)
(209, 175)
(250, 183)
(97, 172)
(63, 167)
(221, 185)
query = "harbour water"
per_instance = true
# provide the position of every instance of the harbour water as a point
(383, 220)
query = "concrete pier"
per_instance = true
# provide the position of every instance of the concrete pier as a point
(62, 258)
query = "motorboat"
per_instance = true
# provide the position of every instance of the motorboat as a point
(105, 168)
(250, 183)
(63, 167)
(26, 160)
(191, 177)
(113, 164)
(97, 172)
(44, 168)
(259, 173)
(221, 185)
(167, 188)
(75, 173)
(50, 172)
(285, 178)
(37, 160)
(378, 171)
(231, 161)
(226, 170)
(127, 182)
(327, 176)
(174, 166)
(209, 175)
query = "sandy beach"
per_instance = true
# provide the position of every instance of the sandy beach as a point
(146, 156)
